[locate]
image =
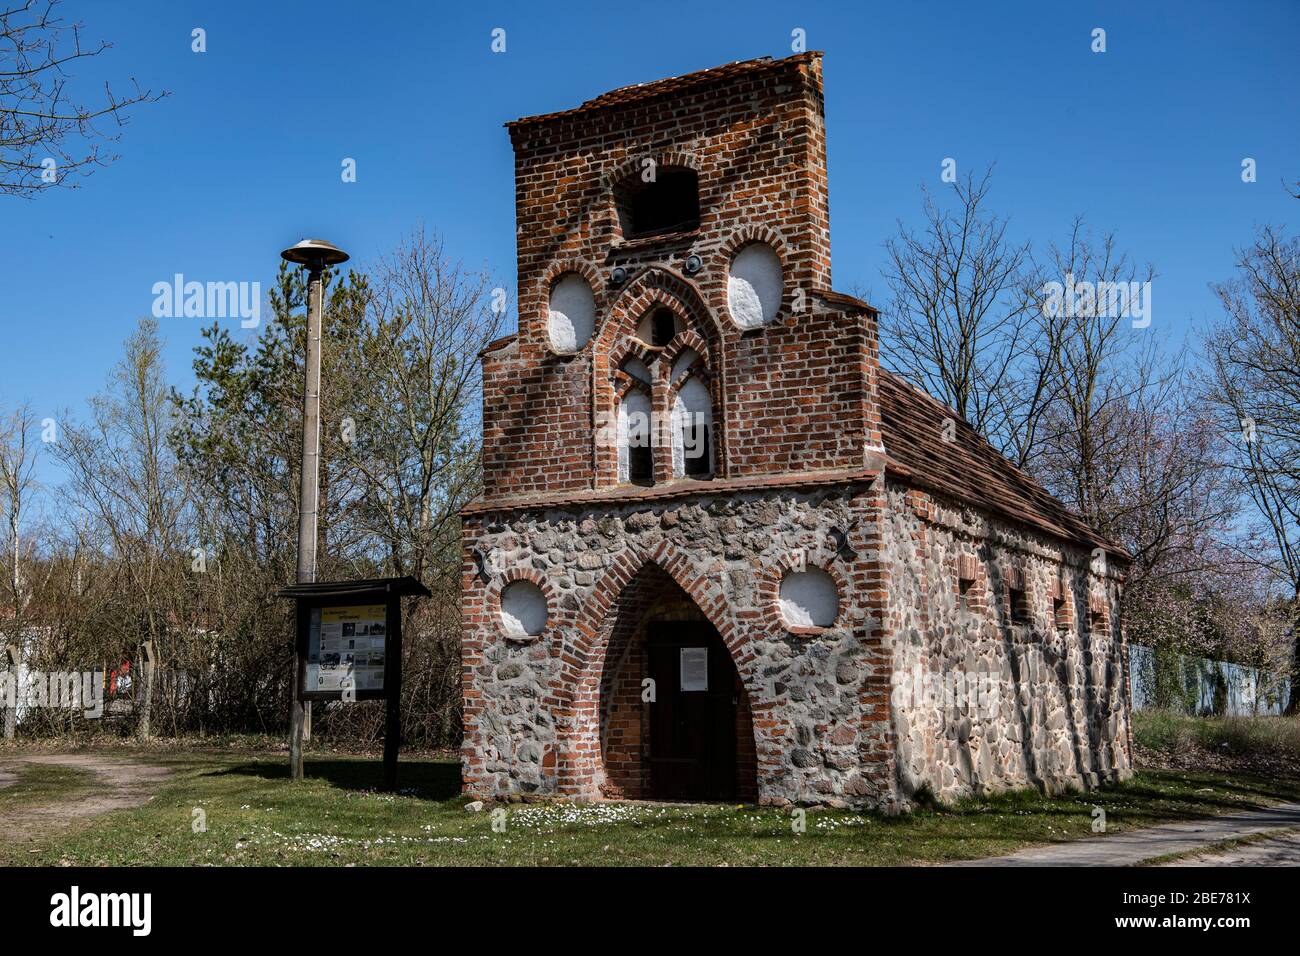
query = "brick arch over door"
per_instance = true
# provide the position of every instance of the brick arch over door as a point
(575, 693)
(654, 608)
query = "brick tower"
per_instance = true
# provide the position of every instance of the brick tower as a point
(677, 579)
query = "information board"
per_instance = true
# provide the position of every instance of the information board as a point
(346, 648)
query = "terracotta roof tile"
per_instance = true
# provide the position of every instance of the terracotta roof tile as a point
(498, 343)
(672, 86)
(844, 301)
(968, 468)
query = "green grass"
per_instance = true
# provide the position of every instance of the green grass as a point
(256, 816)
(1242, 736)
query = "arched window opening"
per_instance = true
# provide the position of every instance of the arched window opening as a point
(692, 426)
(671, 203)
(635, 455)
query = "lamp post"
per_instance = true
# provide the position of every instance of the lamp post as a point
(315, 254)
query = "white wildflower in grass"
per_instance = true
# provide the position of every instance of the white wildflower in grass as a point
(834, 823)
(333, 842)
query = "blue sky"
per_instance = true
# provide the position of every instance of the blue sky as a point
(244, 157)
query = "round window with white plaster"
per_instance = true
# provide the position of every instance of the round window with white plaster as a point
(523, 610)
(572, 313)
(754, 286)
(809, 599)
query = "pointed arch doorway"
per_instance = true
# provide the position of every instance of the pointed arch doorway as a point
(675, 715)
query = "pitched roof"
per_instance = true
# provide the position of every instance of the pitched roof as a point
(404, 586)
(673, 85)
(968, 468)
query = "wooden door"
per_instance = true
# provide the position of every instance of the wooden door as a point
(692, 730)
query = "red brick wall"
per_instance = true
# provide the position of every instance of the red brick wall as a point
(746, 754)
(624, 730)
(794, 395)
(795, 391)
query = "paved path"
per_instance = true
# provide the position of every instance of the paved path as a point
(1137, 846)
(1282, 850)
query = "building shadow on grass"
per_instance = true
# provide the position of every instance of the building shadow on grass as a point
(426, 779)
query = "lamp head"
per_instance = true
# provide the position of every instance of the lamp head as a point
(315, 254)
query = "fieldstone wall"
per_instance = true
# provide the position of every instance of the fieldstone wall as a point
(819, 700)
(968, 656)
(1008, 670)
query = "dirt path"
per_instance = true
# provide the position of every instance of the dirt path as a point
(1136, 846)
(115, 785)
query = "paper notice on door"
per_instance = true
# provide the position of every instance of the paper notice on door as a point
(695, 668)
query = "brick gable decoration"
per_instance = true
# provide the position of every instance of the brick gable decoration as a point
(719, 553)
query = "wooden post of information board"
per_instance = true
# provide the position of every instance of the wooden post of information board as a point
(393, 691)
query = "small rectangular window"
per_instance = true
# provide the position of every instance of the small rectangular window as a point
(1020, 613)
(668, 203)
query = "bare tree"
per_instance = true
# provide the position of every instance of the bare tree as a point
(1067, 387)
(963, 321)
(47, 132)
(18, 454)
(400, 456)
(1110, 387)
(1254, 357)
(1126, 442)
(416, 444)
(122, 471)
